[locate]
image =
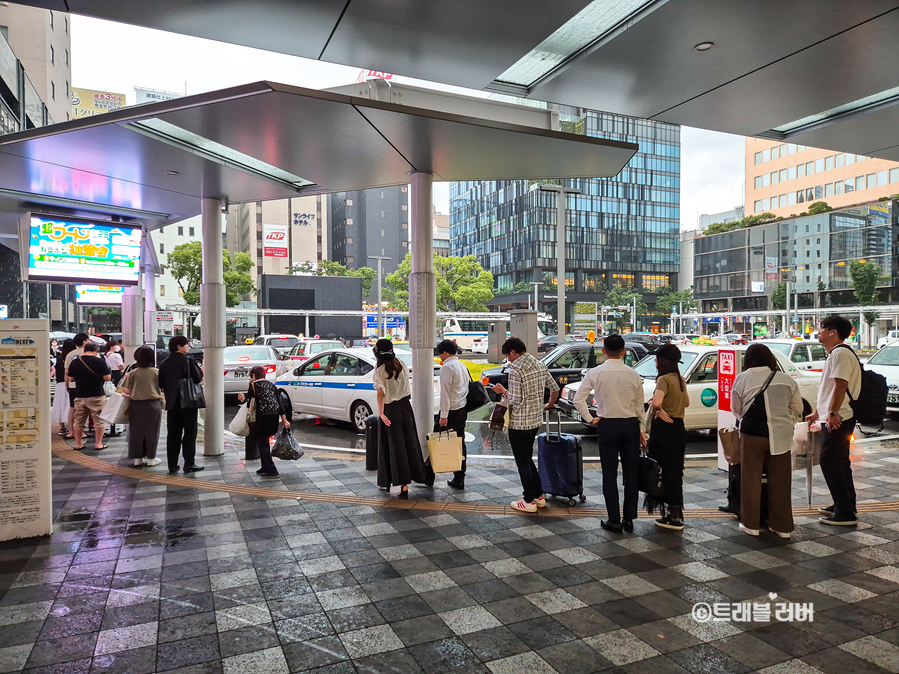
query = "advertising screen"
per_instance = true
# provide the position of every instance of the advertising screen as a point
(70, 250)
(98, 295)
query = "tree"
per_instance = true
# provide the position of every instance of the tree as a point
(186, 265)
(748, 221)
(333, 268)
(462, 284)
(669, 297)
(865, 276)
(523, 287)
(619, 296)
(779, 296)
(818, 207)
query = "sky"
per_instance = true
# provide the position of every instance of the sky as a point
(116, 57)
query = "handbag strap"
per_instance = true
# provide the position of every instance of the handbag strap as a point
(764, 388)
(89, 368)
(860, 367)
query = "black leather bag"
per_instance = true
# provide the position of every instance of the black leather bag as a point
(649, 476)
(190, 393)
(477, 395)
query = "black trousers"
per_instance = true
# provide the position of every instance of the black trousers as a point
(455, 421)
(264, 449)
(619, 439)
(522, 442)
(181, 428)
(667, 445)
(837, 468)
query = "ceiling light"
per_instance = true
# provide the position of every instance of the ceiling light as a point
(862, 105)
(704, 46)
(588, 27)
(216, 152)
(172, 173)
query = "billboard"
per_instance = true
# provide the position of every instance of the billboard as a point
(153, 95)
(770, 268)
(584, 318)
(87, 102)
(274, 241)
(67, 250)
(98, 295)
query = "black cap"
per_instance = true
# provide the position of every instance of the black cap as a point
(669, 352)
(383, 348)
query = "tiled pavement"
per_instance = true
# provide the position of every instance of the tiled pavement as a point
(142, 577)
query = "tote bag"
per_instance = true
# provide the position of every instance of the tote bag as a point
(190, 392)
(239, 425)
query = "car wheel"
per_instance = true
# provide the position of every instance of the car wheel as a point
(360, 412)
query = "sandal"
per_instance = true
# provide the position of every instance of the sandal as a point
(99, 447)
(78, 449)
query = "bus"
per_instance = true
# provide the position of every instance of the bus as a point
(463, 331)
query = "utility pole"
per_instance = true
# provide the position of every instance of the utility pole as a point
(634, 313)
(379, 258)
(537, 285)
(562, 193)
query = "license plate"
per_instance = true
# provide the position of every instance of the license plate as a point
(893, 398)
(239, 374)
(574, 415)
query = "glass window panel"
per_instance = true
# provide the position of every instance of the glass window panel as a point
(894, 175)
(766, 155)
(791, 148)
(783, 150)
(819, 191)
(850, 158)
(758, 157)
(783, 175)
(860, 183)
(766, 180)
(774, 175)
(800, 196)
(809, 168)
(791, 198)
(765, 204)
(838, 161)
(800, 171)
(809, 193)
(828, 163)
(758, 182)
(838, 187)
(819, 165)
(849, 185)
(757, 206)
(782, 200)
(828, 190)
(791, 173)
(881, 178)
(870, 180)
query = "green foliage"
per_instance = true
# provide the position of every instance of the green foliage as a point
(865, 277)
(618, 296)
(578, 127)
(669, 297)
(523, 287)
(779, 296)
(818, 207)
(748, 221)
(332, 268)
(185, 262)
(462, 284)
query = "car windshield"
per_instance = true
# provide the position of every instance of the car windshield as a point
(299, 349)
(646, 368)
(404, 356)
(236, 354)
(282, 342)
(552, 355)
(889, 355)
(783, 348)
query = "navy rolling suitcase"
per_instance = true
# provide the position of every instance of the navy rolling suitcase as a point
(560, 462)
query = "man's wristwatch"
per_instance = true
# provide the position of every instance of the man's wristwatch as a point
(832, 414)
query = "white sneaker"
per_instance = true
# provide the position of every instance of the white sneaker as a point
(137, 462)
(779, 533)
(152, 462)
(747, 530)
(524, 506)
(541, 502)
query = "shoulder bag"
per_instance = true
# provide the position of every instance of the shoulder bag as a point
(477, 395)
(190, 392)
(730, 437)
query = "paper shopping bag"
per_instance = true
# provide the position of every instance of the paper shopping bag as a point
(446, 451)
(115, 411)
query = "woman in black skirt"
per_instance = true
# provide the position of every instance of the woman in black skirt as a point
(265, 425)
(667, 442)
(399, 451)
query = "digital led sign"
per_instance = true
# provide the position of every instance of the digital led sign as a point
(60, 249)
(98, 295)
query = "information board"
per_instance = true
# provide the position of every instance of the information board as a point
(585, 318)
(25, 482)
(99, 295)
(61, 249)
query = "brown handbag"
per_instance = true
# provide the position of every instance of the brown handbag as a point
(730, 443)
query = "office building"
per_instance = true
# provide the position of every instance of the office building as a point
(370, 223)
(40, 41)
(441, 234)
(622, 231)
(739, 270)
(784, 178)
(733, 215)
(685, 275)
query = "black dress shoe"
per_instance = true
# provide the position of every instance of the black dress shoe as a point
(174, 470)
(455, 484)
(268, 474)
(628, 526)
(193, 469)
(614, 527)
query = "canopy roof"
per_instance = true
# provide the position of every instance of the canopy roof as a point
(787, 69)
(269, 141)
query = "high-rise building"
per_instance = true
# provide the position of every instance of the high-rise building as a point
(41, 41)
(732, 215)
(784, 178)
(367, 223)
(441, 234)
(622, 231)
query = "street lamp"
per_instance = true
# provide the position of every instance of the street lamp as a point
(379, 258)
(561, 193)
(537, 285)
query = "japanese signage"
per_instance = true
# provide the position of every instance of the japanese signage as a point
(274, 241)
(584, 318)
(87, 102)
(153, 95)
(165, 322)
(69, 250)
(98, 295)
(757, 286)
(726, 375)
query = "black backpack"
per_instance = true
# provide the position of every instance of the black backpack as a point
(870, 408)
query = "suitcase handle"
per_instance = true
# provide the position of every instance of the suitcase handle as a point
(549, 435)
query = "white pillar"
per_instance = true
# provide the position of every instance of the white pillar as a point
(422, 329)
(132, 322)
(149, 275)
(560, 260)
(212, 329)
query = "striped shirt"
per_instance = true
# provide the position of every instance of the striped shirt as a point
(528, 377)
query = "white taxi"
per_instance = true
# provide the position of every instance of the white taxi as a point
(886, 362)
(699, 366)
(337, 384)
(804, 353)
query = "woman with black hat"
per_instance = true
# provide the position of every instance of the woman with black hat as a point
(667, 442)
(399, 453)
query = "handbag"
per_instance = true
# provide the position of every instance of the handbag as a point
(116, 409)
(477, 395)
(239, 425)
(730, 444)
(190, 392)
(445, 449)
(498, 415)
(251, 406)
(649, 476)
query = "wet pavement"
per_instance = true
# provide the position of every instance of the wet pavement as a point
(148, 577)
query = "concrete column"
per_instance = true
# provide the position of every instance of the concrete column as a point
(132, 322)
(560, 260)
(422, 331)
(212, 329)
(149, 275)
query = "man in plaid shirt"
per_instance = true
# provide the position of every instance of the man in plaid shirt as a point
(528, 378)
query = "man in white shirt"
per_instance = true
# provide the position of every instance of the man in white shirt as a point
(454, 378)
(618, 392)
(840, 379)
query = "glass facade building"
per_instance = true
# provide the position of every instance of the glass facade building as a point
(621, 231)
(738, 270)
